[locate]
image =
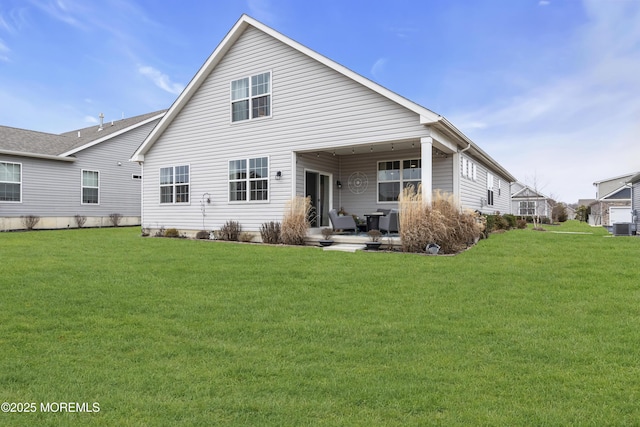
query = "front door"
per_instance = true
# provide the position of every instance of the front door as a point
(318, 188)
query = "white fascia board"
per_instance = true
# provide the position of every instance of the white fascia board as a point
(37, 156)
(442, 139)
(113, 135)
(191, 88)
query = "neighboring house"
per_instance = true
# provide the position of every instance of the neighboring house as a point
(634, 181)
(266, 119)
(526, 201)
(613, 201)
(85, 172)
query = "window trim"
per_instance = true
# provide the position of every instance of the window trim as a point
(251, 97)
(82, 187)
(490, 189)
(174, 185)
(469, 169)
(13, 182)
(248, 180)
(529, 202)
(400, 179)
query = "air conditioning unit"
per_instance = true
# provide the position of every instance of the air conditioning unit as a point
(622, 229)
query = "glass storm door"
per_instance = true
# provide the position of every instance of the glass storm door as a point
(318, 188)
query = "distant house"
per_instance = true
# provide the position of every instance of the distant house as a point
(85, 172)
(266, 119)
(613, 201)
(526, 201)
(634, 181)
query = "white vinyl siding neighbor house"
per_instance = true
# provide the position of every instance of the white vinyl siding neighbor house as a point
(613, 201)
(634, 182)
(527, 201)
(266, 119)
(85, 172)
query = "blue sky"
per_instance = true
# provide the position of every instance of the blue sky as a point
(549, 88)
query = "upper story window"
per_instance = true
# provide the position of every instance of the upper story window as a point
(90, 187)
(251, 97)
(395, 175)
(10, 182)
(249, 179)
(174, 184)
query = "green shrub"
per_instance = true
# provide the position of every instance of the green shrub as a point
(171, 232)
(511, 220)
(230, 231)
(270, 232)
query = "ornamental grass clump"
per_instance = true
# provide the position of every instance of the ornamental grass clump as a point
(440, 222)
(295, 223)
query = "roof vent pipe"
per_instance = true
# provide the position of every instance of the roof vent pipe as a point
(101, 121)
(78, 134)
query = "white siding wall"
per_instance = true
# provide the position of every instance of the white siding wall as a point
(472, 192)
(53, 188)
(313, 107)
(635, 200)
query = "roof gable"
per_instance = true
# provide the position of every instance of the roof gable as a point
(426, 116)
(28, 143)
(527, 192)
(622, 193)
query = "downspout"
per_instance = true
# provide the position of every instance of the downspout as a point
(459, 180)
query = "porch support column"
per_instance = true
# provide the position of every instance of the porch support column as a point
(426, 149)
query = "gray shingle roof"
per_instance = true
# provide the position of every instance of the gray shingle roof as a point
(41, 143)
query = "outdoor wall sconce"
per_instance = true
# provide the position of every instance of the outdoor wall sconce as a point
(278, 175)
(338, 184)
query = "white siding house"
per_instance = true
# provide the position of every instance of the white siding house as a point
(266, 119)
(526, 201)
(85, 172)
(613, 201)
(634, 181)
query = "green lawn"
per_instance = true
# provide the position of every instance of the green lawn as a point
(526, 328)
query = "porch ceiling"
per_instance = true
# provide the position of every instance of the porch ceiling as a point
(380, 147)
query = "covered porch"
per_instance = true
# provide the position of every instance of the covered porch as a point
(360, 179)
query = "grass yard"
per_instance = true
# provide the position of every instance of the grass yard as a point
(526, 328)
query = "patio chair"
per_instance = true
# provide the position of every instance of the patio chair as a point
(342, 222)
(389, 222)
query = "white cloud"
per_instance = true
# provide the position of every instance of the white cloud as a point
(377, 70)
(161, 80)
(544, 3)
(90, 119)
(4, 50)
(577, 128)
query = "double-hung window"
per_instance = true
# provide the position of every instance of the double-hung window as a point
(249, 179)
(10, 182)
(251, 97)
(90, 187)
(174, 184)
(396, 175)
(527, 208)
(489, 189)
(468, 169)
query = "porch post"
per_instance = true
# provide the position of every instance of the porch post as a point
(426, 149)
